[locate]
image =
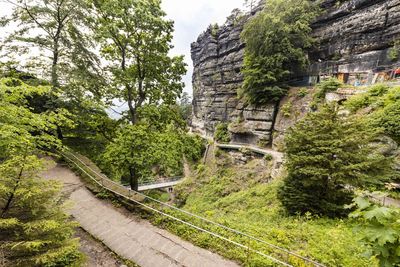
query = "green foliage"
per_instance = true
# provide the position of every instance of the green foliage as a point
(383, 103)
(276, 40)
(268, 157)
(34, 231)
(394, 51)
(221, 133)
(22, 129)
(238, 197)
(287, 109)
(302, 92)
(136, 38)
(214, 30)
(141, 151)
(329, 85)
(389, 119)
(326, 153)
(185, 107)
(57, 28)
(381, 227)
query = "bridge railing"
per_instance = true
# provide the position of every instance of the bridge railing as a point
(286, 257)
(159, 181)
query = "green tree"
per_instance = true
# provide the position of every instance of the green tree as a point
(33, 229)
(276, 41)
(54, 38)
(136, 38)
(20, 124)
(327, 155)
(185, 106)
(381, 228)
(140, 152)
(55, 28)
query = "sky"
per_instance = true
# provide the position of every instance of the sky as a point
(191, 18)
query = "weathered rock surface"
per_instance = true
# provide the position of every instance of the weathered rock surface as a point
(353, 37)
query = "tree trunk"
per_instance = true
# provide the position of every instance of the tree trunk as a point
(59, 133)
(54, 66)
(133, 179)
(11, 196)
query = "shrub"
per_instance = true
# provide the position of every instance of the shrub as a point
(325, 153)
(394, 51)
(221, 133)
(389, 119)
(286, 109)
(326, 86)
(268, 157)
(302, 92)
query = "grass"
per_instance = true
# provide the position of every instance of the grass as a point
(243, 197)
(240, 197)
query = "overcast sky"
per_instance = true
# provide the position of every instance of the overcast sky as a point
(191, 18)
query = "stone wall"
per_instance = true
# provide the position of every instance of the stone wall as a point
(352, 37)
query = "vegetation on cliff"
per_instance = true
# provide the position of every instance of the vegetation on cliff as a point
(276, 42)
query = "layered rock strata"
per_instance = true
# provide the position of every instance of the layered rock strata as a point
(354, 38)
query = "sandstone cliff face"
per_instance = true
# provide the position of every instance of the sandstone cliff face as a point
(353, 37)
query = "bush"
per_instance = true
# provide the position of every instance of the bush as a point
(329, 85)
(286, 109)
(268, 157)
(221, 133)
(389, 119)
(394, 51)
(325, 153)
(302, 92)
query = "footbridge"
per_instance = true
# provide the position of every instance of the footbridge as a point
(166, 183)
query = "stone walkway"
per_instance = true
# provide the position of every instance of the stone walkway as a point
(127, 235)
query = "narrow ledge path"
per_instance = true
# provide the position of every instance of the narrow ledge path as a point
(127, 235)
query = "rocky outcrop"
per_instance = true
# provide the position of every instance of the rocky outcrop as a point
(217, 56)
(354, 36)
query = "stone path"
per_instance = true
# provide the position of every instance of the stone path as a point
(127, 235)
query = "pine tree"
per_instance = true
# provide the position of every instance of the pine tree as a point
(34, 231)
(327, 155)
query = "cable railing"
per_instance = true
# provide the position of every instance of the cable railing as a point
(137, 197)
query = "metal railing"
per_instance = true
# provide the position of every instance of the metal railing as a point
(137, 198)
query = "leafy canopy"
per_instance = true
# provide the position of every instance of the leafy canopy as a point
(136, 39)
(276, 42)
(58, 30)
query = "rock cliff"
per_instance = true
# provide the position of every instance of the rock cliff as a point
(353, 37)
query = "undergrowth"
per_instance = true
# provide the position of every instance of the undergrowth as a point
(241, 197)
